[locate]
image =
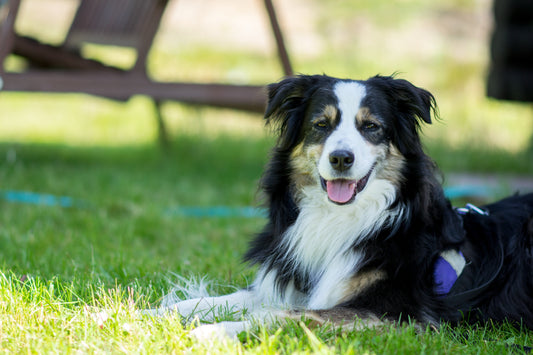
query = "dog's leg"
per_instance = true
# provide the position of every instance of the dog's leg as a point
(252, 309)
(207, 308)
(260, 317)
(344, 319)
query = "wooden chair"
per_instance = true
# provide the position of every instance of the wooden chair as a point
(130, 23)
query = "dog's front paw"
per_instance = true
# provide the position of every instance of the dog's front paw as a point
(220, 331)
(210, 332)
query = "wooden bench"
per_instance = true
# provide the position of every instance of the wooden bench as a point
(129, 23)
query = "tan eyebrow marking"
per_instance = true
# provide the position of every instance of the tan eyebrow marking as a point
(364, 115)
(329, 112)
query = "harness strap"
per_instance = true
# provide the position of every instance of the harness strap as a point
(471, 208)
(467, 296)
(444, 279)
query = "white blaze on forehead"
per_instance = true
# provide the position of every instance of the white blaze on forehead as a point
(346, 136)
(350, 95)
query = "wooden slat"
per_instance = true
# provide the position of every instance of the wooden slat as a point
(48, 56)
(7, 31)
(114, 22)
(124, 22)
(122, 86)
(278, 36)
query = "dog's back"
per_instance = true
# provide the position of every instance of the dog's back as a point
(497, 282)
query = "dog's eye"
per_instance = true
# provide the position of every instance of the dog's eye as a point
(321, 125)
(370, 126)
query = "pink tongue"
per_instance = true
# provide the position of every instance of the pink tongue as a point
(340, 191)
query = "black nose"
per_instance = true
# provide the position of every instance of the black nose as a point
(341, 160)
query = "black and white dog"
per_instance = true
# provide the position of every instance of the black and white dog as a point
(359, 225)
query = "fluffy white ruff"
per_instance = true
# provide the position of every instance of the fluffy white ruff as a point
(320, 243)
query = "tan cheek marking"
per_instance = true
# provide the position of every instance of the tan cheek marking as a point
(314, 152)
(297, 151)
(298, 159)
(361, 282)
(393, 164)
(304, 162)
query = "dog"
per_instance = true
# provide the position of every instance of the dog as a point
(358, 224)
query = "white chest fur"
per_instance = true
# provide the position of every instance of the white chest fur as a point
(320, 244)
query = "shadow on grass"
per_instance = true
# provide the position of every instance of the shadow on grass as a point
(125, 236)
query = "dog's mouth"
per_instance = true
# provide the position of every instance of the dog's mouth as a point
(343, 191)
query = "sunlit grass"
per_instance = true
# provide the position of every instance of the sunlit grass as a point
(75, 119)
(46, 316)
(83, 120)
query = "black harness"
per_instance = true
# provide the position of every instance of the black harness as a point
(464, 298)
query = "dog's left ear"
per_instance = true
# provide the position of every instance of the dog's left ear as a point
(414, 101)
(407, 100)
(410, 105)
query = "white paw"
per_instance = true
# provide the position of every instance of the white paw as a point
(211, 332)
(220, 331)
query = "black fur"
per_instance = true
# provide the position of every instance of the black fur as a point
(407, 250)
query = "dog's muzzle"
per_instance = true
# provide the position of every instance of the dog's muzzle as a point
(344, 191)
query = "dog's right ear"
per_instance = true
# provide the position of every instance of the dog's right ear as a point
(284, 97)
(286, 108)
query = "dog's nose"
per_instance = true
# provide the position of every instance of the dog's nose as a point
(341, 160)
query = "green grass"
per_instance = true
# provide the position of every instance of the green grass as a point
(127, 193)
(119, 252)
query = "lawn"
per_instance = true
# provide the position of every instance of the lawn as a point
(122, 241)
(97, 221)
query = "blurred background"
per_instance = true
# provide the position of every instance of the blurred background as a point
(442, 46)
(105, 154)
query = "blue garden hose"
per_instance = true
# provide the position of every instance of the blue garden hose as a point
(33, 198)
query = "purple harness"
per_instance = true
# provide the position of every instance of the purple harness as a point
(451, 263)
(448, 268)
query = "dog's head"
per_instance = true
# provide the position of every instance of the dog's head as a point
(343, 134)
